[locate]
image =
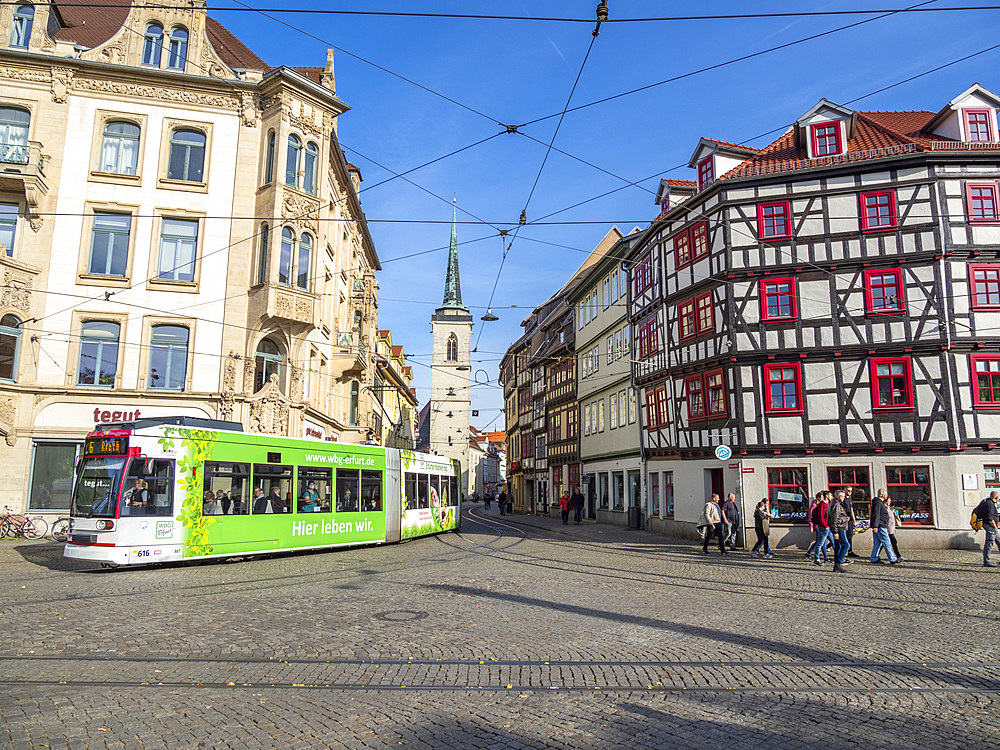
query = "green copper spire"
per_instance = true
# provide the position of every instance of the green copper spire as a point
(452, 282)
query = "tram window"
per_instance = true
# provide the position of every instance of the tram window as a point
(232, 480)
(435, 490)
(453, 491)
(272, 488)
(423, 491)
(371, 490)
(411, 491)
(315, 490)
(347, 490)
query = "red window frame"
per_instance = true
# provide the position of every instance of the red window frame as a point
(715, 394)
(704, 313)
(706, 172)
(984, 119)
(783, 374)
(981, 201)
(642, 274)
(651, 417)
(774, 220)
(891, 379)
(654, 493)
(648, 342)
(694, 394)
(878, 211)
(821, 135)
(699, 240)
(682, 249)
(985, 370)
(899, 483)
(877, 284)
(661, 406)
(668, 481)
(686, 321)
(768, 289)
(984, 282)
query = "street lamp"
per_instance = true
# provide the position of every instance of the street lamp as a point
(489, 317)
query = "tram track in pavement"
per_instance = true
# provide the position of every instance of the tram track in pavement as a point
(260, 583)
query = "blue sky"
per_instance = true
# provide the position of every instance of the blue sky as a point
(517, 71)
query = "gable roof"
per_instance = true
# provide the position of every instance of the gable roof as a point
(233, 52)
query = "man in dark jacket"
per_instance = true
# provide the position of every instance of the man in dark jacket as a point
(577, 502)
(731, 519)
(839, 518)
(988, 513)
(880, 529)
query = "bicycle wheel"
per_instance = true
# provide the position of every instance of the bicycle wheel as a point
(5, 527)
(35, 528)
(60, 530)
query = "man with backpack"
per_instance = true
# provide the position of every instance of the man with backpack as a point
(988, 514)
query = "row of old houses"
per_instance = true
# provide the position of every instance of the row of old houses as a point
(180, 234)
(818, 313)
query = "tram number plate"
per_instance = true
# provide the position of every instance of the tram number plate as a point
(106, 446)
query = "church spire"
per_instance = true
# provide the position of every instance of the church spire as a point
(452, 282)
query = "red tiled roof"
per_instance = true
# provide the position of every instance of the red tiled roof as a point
(233, 52)
(738, 146)
(313, 74)
(397, 350)
(680, 183)
(81, 23)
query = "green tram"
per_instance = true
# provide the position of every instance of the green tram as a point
(160, 490)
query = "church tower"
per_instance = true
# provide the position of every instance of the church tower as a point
(451, 329)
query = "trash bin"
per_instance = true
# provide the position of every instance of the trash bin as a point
(635, 518)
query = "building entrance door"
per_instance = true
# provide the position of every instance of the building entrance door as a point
(634, 485)
(714, 484)
(590, 488)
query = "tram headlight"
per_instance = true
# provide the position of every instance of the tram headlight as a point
(105, 525)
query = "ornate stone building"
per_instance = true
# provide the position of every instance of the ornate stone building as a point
(180, 233)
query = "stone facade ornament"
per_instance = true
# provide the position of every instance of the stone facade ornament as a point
(62, 84)
(16, 292)
(8, 413)
(230, 102)
(295, 383)
(269, 410)
(249, 109)
(248, 373)
(300, 210)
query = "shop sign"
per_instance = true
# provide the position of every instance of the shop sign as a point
(314, 431)
(747, 470)
(84, 415)
(723, 452)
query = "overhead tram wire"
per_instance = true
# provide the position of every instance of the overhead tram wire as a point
(732, 61)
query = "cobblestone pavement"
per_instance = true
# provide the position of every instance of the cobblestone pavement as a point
(515, 633)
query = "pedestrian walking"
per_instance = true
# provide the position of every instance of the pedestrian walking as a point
(894, 519)
(731, 517)
(577, 501)
(711, 521)
(564, 506)
(486, 502)
(849, 502)
(821, 523)
(880, 529)
(840, 521)
(762, 528)
(502, 503)
(989, 515)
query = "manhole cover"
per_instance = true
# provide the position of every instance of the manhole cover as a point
(401, 615)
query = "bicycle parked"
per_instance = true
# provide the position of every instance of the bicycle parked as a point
(15, 525)
(60, 529)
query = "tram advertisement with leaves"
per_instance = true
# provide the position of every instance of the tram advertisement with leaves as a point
(436, 508)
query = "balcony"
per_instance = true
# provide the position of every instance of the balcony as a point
(285, 303)
(22, 170)
(350, 352)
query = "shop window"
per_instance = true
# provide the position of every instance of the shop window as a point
(618, 490)
(20, 30)
(120, 148)
(910, 490)
(10, 339)
(153, 45)
(187, 155)
(774, 221)
(985, 281)
(168, 353)
(783, 388)
(177, 56)
(777, 299)
(826, 139)
(8, 227)
(878, 211)
(668, 494)
(788, 491)
(267, 362)
(604, 494)
(981, 199)
(884, 292)
(892, 385)
(52, 475)
(178, 248)
(855, 478)
(992, 476)
(654, 493)
(985, 379)
(98, 354)
(14, 124)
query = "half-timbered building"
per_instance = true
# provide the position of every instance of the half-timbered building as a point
(823, 313)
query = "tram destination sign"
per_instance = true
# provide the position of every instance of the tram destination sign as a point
(106, 446)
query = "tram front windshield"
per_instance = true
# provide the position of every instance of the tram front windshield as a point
(96, 493)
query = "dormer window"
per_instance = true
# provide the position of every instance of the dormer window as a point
(706, 172)
(826, 139)
(20, 30)
(979, 125)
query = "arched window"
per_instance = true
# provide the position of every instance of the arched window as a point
(187, 156)
(262, 257)
(20, 30)
(98, 354)
(153, 45)
(285, 257)
(120, 148)
(292, 161)
(177, 57)
(266, 364)
(14, 135)
(10, 336)
(452, 355)
(269, 169)
(304, 262)
(309, 178)
(352, 415)
(168, 357)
